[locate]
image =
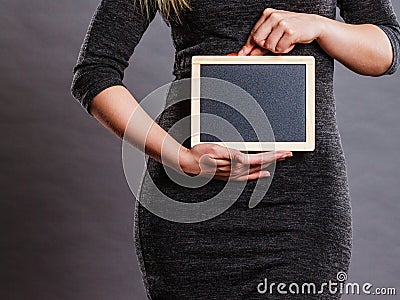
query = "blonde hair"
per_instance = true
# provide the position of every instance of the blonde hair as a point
(166, 7)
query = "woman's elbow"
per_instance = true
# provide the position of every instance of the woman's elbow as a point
(75, 88)
(80, 88)
(389, 58)
(384, 65)
(86, 84)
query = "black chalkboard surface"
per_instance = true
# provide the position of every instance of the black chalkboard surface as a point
(223, 110)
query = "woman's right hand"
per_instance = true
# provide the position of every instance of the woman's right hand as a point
(224, 163)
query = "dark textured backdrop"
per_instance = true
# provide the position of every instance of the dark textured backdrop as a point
(66, 210)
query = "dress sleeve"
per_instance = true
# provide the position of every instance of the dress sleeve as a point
(114, 31)
(379, 13)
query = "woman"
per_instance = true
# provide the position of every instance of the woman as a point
(301, 230)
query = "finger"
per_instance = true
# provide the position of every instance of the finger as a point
(206, 160)
(250, 43)
(257, 51)
(261, 34)
(253, 176)
(264, 157)
(256, 168)
(222, 162)
(287, 42)
(223, 156)
(250, 169)
(274, 156)
(274, 37)
(219, 153)
(227, 168)
(266, 28)
(267, 164)
(239, 169)
(244, 170)
(235, 155)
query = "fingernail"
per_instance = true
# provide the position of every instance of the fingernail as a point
(241, 52)
(265, 174)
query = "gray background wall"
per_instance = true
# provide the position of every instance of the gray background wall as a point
(66, 210)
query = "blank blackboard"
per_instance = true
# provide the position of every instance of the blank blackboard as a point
(283, 86)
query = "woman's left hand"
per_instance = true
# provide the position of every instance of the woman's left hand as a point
(278, 31)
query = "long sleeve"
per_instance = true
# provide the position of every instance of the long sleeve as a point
(379, 13)
(114, 31)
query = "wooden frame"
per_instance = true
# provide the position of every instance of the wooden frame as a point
(308, 61)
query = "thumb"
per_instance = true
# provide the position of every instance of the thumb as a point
(257, 50)
(248, 47)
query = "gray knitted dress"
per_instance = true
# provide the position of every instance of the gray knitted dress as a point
(301, 231)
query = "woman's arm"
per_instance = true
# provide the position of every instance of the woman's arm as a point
(114, 31)
(118, 111)
(363, 48)
(115, 106)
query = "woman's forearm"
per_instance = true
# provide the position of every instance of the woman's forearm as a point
(363, 48)
(118, 110)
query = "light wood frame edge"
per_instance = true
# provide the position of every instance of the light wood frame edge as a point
(309, 61)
